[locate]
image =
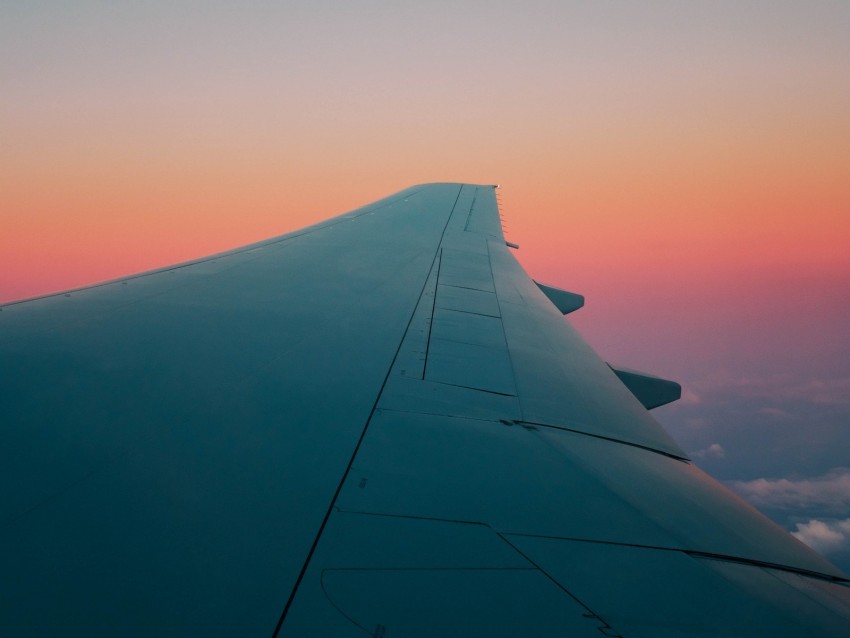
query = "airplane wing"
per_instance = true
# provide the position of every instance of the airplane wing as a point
(378, 425)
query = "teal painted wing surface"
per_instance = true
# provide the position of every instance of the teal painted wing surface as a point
(379, 425)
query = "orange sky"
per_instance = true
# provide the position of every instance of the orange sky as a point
(653, 157)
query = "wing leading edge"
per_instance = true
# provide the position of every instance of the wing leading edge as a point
(379, 425)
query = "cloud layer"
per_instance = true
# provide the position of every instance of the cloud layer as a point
(829, 492)
(824, 536)
(816, 510)
(715, 450)
(825, 391)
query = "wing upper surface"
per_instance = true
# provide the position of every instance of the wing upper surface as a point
(377, 425)
(170, 445)
(499, 429)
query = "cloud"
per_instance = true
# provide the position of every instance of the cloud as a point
(829, 391)
(713, 451)
(824, 536)
(826, 391)
(830, 491)
(774, 412)
(689, 397)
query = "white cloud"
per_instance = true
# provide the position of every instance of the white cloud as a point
(824, 536)
(830, 491)
(713, 451)
(689, 397)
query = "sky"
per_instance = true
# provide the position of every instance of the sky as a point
(684, 165)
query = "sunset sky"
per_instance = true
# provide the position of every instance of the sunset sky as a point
(684, 165)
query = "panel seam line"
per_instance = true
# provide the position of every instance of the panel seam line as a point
(439, 258)
(504, 332)
(347, 471)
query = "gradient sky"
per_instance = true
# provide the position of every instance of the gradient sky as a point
(685, 165)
